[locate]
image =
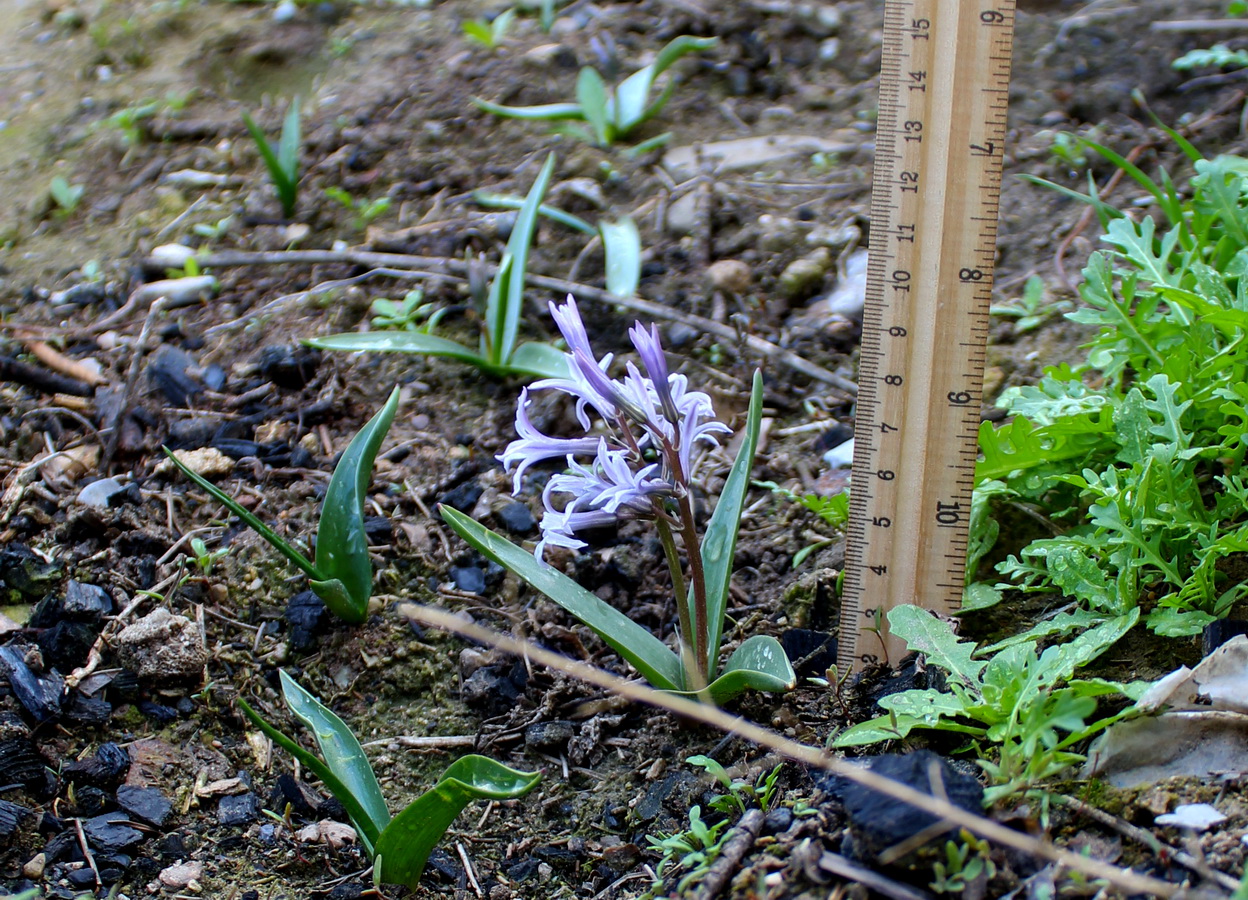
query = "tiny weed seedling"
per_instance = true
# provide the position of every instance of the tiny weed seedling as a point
(407, 314)
(693, 851)
(655, 412)
(966, 861)
(399, 846)
(66, 196)
(281, 161)
(342, 575)
(498, 353)
(834, 511)
(205, 559)
(1219, 56)
(1031, 310)
(489, 34)
(610, 116)
(364, 211)
(741, 794)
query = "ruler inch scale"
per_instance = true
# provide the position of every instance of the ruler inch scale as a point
(940, 136)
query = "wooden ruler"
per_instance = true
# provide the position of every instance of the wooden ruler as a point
(944, 88)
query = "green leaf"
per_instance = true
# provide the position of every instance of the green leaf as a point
(398, 342)
(248, 517)
(591, 94)
(658, 664)
(622, 244)
(406, 843)
(341, 544)
(878, 730)
(510, 201)
(633, 94)
(368, 829)
(759, 664)
(548, 111)
(342, 752)
(928, 705)
(502, 314)
(479, 31)
(934, 638)
(539, 360)
(288, 144)
(719, 543)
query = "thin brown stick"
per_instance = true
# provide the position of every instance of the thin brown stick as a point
(459, 267)
(59, 362)
(812, 756)
(735, 846)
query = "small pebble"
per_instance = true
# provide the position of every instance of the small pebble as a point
(841, 456)
(468, 578)
(179, 875)
(35, 866)
(731, 275)
(1196, 816)
(162, 646)
(208, 462)
(516, 518)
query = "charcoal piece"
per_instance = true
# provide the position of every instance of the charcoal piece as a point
(378, 529)
(777, 820)
(80, 603)
(157, 712)
(289, 366)
(468, 578)
(81, 879)
(1218, 632)
(110, 834)
(495, 689)
(40, 695)
(12, 819)
(214, 377)
(93, 711)
(171, 847)
(236, 448)
(25, 577)
(167, 371)
(463, 497)
(331, 808)
(66, 644)
(106, 769)
(516, 517)
(811, 652)
(558, 856)
(306, 617)
(91, 801)
(523, 870)
(838, 434)
(548, 735)
(301, 458)
(678, 788)
(63, 847)
(20, 763)
(448, 867)
(238, 810)
(290, 792)
(347, 891)
(878, 822)
(124, 687)
(145, 804)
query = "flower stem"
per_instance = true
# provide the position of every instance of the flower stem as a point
(688, 655)
(701, 625)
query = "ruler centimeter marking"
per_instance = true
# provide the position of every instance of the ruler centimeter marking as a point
(940, 135)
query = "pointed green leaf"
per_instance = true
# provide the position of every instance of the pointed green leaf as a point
(719, 544)
(533, 113)
(288, 144)
(591, 94)
(397, 342)
(504, 324)
(282, 182)
(539, 360)
(510, 201)
(658, 664)
(406, 843)
(633, 94)
(622, 244)
(934, 638)
(341, 544)
(367, 829)
(759, 664)
(342, 752)
(248, 517)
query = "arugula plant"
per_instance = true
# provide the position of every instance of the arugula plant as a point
(1135, 455)
(1032, 309)
(652, 415)
(400, 845)
(621, 241)
(281, 161)
(1026, 704)
(342, 575)
(610, 116)
(498, 352)
(741, 794)
(966, 861)
(363, 210)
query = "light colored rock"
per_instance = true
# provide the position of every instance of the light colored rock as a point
(682, 214)
(35, 866)
(180, 875)
(802, 277)
(327, 831)
(748, 153)
(731, 275)
(206, 461)
(171, 256)
(841, 456)
(162, 646)
(96, 494)
(1196, 816)
(178, 291)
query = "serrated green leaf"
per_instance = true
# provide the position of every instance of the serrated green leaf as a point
(341, 543)
(928, 705)
(934, 638)
(405, 844)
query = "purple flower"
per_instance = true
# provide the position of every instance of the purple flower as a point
(643, 413)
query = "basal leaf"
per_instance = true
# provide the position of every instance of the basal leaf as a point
(341, 544)
(536, 359)
(719, 543)
(398, 342)
(548, 111)
(591, 94)
(622, 244)
(405, 844)
(878, 730)
(934, 638)
(759, 664)
(504, 323)
(648, 655)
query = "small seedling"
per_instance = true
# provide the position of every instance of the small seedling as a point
(498, 353)
(206, 559)
(282, 161)
(213, 231)
(610, 116)
(342, 575)
(66, 196)
(1031, 310)
(741, 794)
(966, 861)
(365, 211)
(399, 846)
(834, 511)
(489, 34)
(406, 314)
(641, 467)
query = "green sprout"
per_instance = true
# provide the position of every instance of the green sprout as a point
(365, 211)
(66, 196)
(615, 115)
(204, 558)
(960, 868)
(400, 845)
(834, 511)
(498, 352)
(489, 34)
(1031, 311)
(404, 314)
(342, 575)
(282, 161)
